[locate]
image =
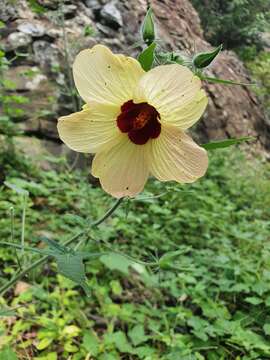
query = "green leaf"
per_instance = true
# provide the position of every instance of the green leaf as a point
(8, 354)
(2, 24)
(137, 335)
(121, 343)
(204, 59)
(91, 343)
(116, 262)
(166, 260)
(17, 189)
(148, 28)
(223, 81)
(44, 343)
(253, 300)
(7, 312)
(72, 267)
(146, 57)
(266, 329)
(226, 143)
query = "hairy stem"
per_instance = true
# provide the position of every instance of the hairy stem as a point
(42, 260)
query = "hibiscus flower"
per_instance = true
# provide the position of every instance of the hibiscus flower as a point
(135, 121)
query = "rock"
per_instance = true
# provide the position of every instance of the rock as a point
(35, 82)
(50, 4)
(93, 4)
(95, 7)
(34, 29)
(232, 111)
(107, 31)
(69, 11)
(38, 150)
(17, 40)
(24, 77)
(111, 16)
(7, 11)
(46, 55)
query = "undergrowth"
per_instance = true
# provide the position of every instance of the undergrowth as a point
(208, 298)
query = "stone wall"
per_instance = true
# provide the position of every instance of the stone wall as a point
(49, 41)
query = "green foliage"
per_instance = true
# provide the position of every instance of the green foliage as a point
(235, 23)
(260, 70)
(146, 57)
(207, 297)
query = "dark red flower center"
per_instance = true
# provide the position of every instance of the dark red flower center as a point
(139, 121)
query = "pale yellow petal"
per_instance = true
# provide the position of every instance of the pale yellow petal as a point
(100, 76)
(175, 156)
(122, 170)
(175, 92)
(91, 129)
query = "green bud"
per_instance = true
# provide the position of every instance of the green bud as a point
(204, 59)
(148, 28)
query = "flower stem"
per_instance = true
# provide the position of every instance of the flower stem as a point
(40, 261)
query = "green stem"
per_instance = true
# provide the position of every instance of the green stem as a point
(23, 227)
(40, 261)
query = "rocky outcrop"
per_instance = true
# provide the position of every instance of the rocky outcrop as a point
(46, 39)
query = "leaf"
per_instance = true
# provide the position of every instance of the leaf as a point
(166, 260)
(226, 143)
(223, 81)
(253, 300)
(118, 262)
(91, 343)
(137, 335)
(55, 246)
(120, 340)
(204, 59)
(72, 267)
(15, 188)
(146, 57)
(8, 354)
(266, 329)
(44, 343)
(148, 27)
(7, 312)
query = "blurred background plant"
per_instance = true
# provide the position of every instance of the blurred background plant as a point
(244, 27)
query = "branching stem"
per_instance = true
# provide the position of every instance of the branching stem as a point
(42, 260)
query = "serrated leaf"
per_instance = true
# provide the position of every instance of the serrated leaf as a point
(204, 59)
(226, 143)
(121, 343)
(91, 343)
(146, 57)
(72, 267)
(137, 335)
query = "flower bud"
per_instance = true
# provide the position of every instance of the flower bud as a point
(148, 28)
(204, 59)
